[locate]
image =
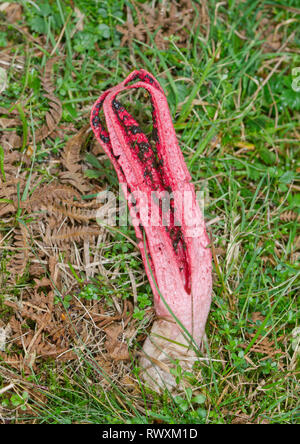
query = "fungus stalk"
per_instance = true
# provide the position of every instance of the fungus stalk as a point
(169, 226)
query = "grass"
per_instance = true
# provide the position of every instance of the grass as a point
(237, 117)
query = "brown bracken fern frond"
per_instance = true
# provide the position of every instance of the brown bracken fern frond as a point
(10, 139)
(56, 213)
(289, 216)
(71, 160)
(67, 234)
(20, 257)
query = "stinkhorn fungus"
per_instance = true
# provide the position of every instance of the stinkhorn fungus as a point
(172, 238)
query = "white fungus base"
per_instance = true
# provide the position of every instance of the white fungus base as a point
(165, 345)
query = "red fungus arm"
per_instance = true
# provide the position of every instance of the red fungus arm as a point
(175, 248)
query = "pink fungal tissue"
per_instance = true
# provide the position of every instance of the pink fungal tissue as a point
(169, 226)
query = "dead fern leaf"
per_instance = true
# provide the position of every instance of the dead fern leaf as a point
(164, 20)
(67, 234)
(47, 195)
(9, 123)
(13, 360)
(36, 269)
(8, 197)
(6, 209)
(19, 261)
(71, 160)
(12, 139)
(257, 316)
(11, 160)
(264, 346)
(115, 347)
(270, 259)
(74, 214)
(13, 11)
(289, 216)
(54, 114)
(92, 205)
